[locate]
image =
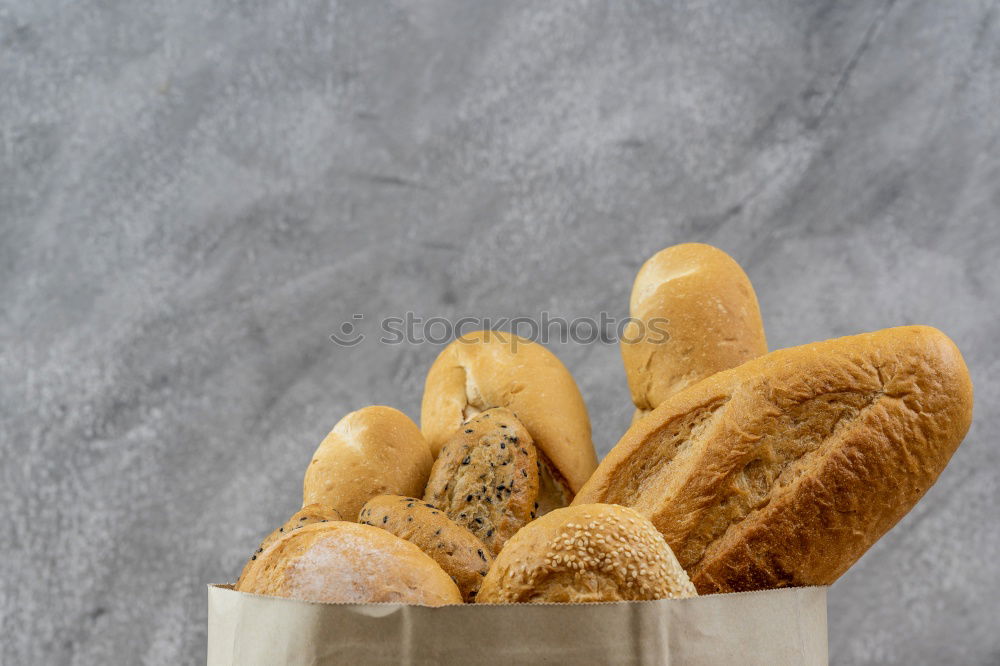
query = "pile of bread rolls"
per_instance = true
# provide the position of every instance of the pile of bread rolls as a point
(742, 469)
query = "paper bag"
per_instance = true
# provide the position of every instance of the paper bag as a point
(772, 627)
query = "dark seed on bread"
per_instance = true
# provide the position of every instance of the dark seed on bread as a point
(307, 515)
(452, 546)
(483, 484)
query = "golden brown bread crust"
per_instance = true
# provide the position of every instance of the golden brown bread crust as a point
(783, 471)
(373, 451)
(463, 557)
(713, 322)
(495, 369)
(553, 490)
(307, 515)
(486, 477)
(342, 562)
(584, 553)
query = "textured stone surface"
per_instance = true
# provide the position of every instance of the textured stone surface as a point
(195, 194)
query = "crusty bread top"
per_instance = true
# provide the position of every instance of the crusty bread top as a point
(307, 515)
(457, 550)
(495, 369)
(372, 451)
(712, 318)
(342, 562)
(584, 553)
(784, 470)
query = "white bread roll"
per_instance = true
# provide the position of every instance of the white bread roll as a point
(712, 321)
(342, 562)
(373, 451)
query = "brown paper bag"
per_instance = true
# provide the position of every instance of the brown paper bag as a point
(773, 627)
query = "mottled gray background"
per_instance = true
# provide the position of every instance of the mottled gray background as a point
(194, 194)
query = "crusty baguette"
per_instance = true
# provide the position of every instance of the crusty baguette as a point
(784, 470)
(703, 301)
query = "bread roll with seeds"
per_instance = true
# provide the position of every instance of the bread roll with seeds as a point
(342, 562)
(586, 553)
(463, 557)
(705, 304)
(785, 470)
(307, 515)
(486, 477)
(495, 369)
(373, 451)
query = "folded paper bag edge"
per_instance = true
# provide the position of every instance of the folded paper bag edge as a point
(783, 626)
(229, 587)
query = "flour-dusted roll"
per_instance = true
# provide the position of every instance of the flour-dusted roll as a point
(307, 515)
(456, 550)
(495, 369)
(785, 470)
(343, 562)
(486, 477)
(584, 553)
(373, 451)
(694, 313)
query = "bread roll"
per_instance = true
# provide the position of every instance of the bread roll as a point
(494, 369)
(373, 451)
(456, 550)
(704, 302)
(342, 562)
(307, 515)
(588, 552)
(784, 470)
(486, 477)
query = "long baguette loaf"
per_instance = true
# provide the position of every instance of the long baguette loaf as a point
(784, 470)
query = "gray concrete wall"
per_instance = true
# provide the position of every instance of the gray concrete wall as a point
(195, 194)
